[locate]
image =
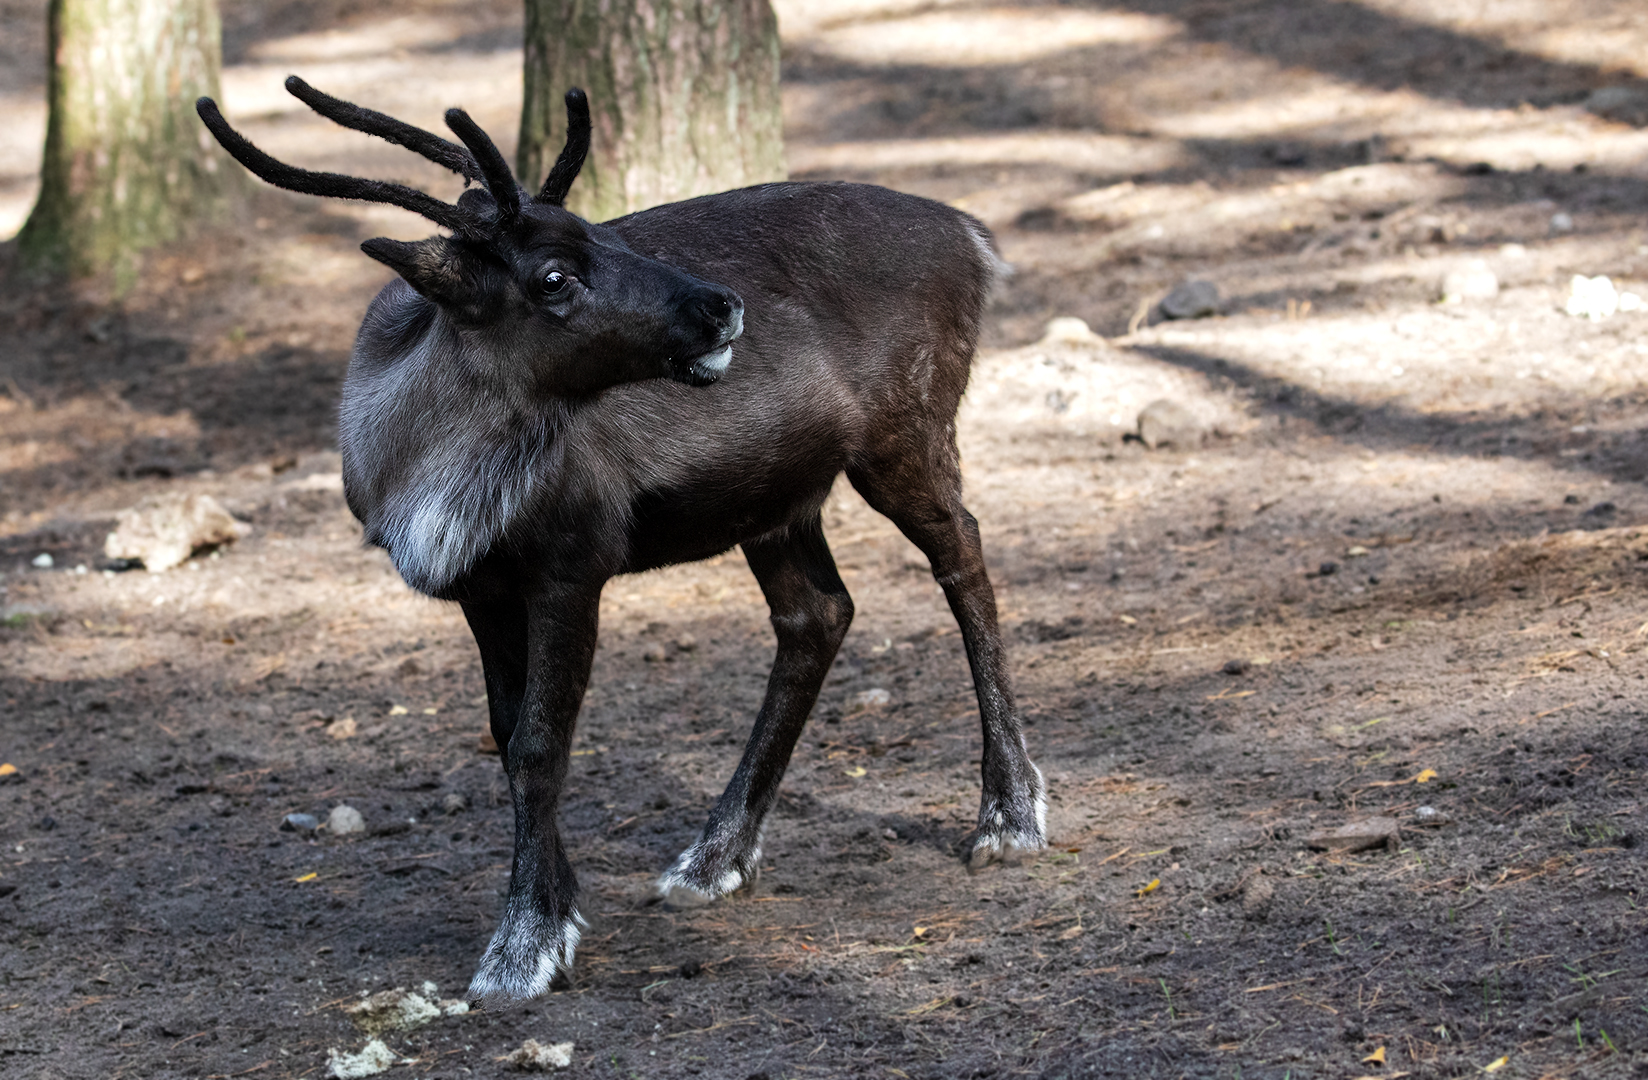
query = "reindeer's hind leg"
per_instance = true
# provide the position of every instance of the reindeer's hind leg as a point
(810, 613)
(919, 488)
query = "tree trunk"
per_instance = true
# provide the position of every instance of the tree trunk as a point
(683, 98)
(128, 164)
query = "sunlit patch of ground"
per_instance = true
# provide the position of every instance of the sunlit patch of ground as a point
(1409, 540)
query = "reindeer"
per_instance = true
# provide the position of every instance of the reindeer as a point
(540, 403)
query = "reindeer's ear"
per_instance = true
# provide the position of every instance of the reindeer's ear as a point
(441, 269)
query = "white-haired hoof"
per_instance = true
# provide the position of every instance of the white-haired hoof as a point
(693, 881)
(1011, 829)
(524, 957)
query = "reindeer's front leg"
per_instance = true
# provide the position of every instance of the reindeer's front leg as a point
(536, 652)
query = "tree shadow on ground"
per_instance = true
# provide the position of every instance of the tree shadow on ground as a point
(1539, 436)
(1385, 51)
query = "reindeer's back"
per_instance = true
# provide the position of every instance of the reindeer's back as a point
(862, 309)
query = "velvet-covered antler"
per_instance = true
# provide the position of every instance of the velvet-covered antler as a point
(506, 193)
(566, 167)
(337, 186)
(446, 154)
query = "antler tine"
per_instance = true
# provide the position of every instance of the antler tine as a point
(499, 180)
(335, 185)
(446, 154)
(566, 167)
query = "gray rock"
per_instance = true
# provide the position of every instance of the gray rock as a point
(42, 561)
(1430, 817)
(164, 530)
(1471, 280)
(654, 653)
(1256, 897)
(1625, 104)
(1191, 300)
(1357, 836)
(344, 820)
(1165, 422)
(299, 823)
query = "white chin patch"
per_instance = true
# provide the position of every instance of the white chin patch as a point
(714, 363)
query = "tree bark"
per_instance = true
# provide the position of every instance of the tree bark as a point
(683, 98)
(128, 164)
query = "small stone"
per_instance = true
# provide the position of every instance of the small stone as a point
(454, 803)
(1570, 500)
(873, 698)
(391, 1010)
(1236, 667)
(1165, 422)
(1469, 281)
(372, 1059)
(343, 728)
(299, 823)
(1625, 104)
(534, 1056)
(1602, 509)
(164, 530)
(1596, 298)
(1430, 817)
(1327, 569)
(889, 834)
(654, 653)
(42, 561)
(686, 643)
(1356, 551)
(1191, 300)
(1561, 222)
(1358, 836)
(1256, 897)
(344, 820)
(1068, 330)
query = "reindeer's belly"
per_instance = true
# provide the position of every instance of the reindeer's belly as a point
(686, 526)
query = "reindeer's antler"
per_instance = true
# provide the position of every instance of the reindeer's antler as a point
(499, 180)
(448, 155)
(334, 185)
(566, 167)
(480, 161)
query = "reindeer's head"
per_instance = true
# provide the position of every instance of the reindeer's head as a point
(578, 308)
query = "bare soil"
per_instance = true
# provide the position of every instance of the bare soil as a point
(1403, 576)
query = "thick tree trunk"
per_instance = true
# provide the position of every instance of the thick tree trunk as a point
(683, 98)
(128, 164)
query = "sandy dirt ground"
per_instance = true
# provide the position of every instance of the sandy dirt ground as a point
(1393, 568)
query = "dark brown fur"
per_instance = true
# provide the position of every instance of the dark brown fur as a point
(515, 444)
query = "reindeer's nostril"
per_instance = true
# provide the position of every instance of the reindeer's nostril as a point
(720, 308)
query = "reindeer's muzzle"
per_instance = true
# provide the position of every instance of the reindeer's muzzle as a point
(722, 311)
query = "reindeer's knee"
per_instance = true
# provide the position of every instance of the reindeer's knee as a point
(819, 625)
